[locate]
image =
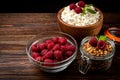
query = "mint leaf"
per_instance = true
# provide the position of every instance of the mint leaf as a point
(90, 10)
(88, 5)
(102, 37)
(83, 11)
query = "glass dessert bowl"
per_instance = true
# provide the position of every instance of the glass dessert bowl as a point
(81, 22)
(96, 54)
(52, 51)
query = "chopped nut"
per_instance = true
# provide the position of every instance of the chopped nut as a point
(105, 52)
(88, 49)
(101, 52)
(97, 54)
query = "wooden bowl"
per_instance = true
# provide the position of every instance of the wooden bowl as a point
(79, 32)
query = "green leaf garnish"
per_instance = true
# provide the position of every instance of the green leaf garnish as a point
(83, 11)
(102, 37)
(88, 5)
(90, 10)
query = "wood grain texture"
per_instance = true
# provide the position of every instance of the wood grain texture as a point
(15, 31)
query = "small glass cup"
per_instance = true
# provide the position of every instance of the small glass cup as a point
(95, 63)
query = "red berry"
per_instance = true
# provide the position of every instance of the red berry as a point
(55, 60)
(101, 44)
(68, 53)
(50, 45)
(48, 55)
(70, 48)
(47, 62)
(43, 52)
(55, 39)
(78, 10)
(39, 58)
(35, 55)
(63, 40)
(93, 41)
(42, 46)
(63, 48)
(67, 44)
(34, 48)
(56, 47)
(48, 41)
(72, 6)
(58, 55)
(81, 3)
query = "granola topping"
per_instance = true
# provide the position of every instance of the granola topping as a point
(95, 51)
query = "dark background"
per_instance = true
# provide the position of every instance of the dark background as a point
(53, 5)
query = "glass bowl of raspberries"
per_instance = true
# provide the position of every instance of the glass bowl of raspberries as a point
(52, 51)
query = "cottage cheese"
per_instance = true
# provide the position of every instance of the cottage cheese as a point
(70, 17)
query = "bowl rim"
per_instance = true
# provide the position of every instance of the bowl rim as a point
(72, 26)
(30, 42)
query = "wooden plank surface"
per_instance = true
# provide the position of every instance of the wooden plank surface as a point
(15, 31)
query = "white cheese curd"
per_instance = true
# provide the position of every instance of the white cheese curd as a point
(70, 17)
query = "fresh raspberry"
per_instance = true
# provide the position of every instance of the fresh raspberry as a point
(101, 44)
(48, 55)
(81, 3)
(68, 53)
(63, 40)
(78, 10)
(63, 48)
(49, 41)
(67, 44)
(39, 58)
(72, 6)
(47, 62)
(50, 45)
(35, 48)
(58, 55)
(55, 60)
(56, 47)
(43, 52)
(42, 46)
(55, 39)
(70, 48)
(35, 55)
(93, 41)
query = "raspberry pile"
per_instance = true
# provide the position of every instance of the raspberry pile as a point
(52, 50)
(101, 44)
(77, 8)
(82, 7)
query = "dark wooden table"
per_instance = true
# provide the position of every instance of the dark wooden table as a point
(17, 28)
